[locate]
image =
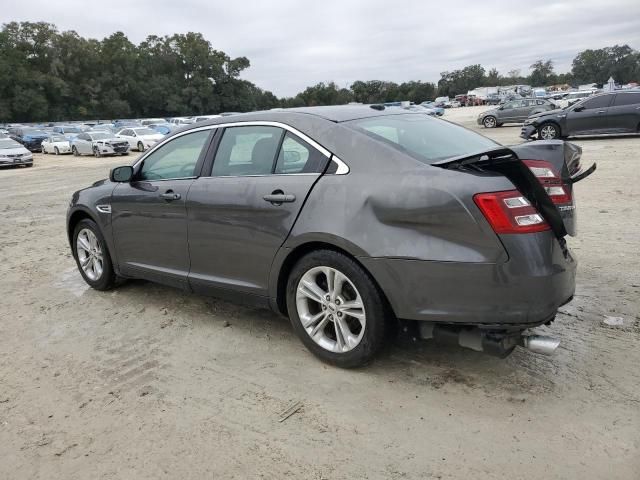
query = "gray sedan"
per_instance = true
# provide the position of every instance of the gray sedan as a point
(514, 111)
(348, 220)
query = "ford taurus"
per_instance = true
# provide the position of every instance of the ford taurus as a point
(347, 220)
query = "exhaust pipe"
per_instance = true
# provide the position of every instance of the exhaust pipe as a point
(540, 344)
(497, 343)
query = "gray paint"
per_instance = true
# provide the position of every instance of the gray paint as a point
(413, 226)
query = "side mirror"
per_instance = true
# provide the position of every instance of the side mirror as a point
(579, 108)
(121, 174)
(501, 107)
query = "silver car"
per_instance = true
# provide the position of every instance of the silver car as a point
(99, 144)
(514, 111)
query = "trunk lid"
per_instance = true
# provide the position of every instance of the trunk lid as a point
(562, 158)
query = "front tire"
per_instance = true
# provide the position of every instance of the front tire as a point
(140, 147)
(75, 151)
(56, 151)
(336, 309)
(96, 152)
(489, 121)
(548, 131)
(92, 255)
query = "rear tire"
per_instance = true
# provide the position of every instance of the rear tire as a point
(349, 322)
(489, 121)
(75, 151)
(140, 147)
(98, 270)
(56, 151)
(548, 131)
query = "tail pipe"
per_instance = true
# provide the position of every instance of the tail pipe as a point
(493, 342)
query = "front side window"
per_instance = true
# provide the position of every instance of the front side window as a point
(424, 138)
(297, 156)
(175, 159)
(597, 102)
(247, 150)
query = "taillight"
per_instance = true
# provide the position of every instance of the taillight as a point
(510, 212)
(550, 179)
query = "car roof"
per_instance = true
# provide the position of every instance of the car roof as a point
(334, 113)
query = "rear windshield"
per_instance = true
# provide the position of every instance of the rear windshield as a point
(424, 138)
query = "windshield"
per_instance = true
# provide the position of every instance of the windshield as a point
(34, 131)
(426, 139)
(100, 135)
(145, 131)
(6, 143)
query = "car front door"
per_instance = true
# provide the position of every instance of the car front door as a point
(624, 112)
(149, 216)
(508, 112)
(589, 116)
(242, 213)
(521, 110)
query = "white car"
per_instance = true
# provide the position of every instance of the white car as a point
(99, 144)
(57, 144)
(202, 118)
(150, 121)
(140, 138)
(182, 120)
(13, 154)
(573, 97)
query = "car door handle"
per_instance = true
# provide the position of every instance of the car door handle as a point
(170, 196)
(601, 111)
(278, 198)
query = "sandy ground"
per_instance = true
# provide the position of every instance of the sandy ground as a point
(149, 382)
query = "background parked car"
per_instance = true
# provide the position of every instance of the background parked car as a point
(68, 131)
(31, 138)
(515, 111)
(202, 118)
(181, 121)
(148, 121)
(163, 128)
(140, 138)
(605, 113)
(99, 144)
(573, 97)
(56, 144)
(439, 110)
(13, 154)
(102, 127)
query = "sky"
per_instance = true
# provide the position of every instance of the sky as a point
(294, 44)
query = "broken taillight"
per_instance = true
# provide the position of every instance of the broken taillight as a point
(550, 179)
(510, 212)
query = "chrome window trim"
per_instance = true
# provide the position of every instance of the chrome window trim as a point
(342, 169)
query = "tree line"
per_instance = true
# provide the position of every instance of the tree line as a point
(47, 75)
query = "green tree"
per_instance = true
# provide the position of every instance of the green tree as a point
(542, 73)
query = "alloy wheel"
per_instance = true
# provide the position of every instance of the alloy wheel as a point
(89, 253)
(489, 122)
(548, 132)
(330, 309)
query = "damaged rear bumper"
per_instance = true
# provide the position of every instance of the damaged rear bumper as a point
(522, 292)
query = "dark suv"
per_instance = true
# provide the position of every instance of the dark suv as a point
(514, 111)
(31, 138)
(612, 112)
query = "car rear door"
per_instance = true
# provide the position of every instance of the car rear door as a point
(149, 216)
(589, 116)
(242, 212)
(624, 112)
(83, 143)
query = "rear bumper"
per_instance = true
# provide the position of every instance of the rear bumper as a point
(528, 132)
(525, 291)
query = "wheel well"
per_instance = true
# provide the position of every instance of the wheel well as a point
(74, 220)
(299, 252)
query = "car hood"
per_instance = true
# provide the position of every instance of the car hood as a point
(13, 151)
(548, 114)
(493, 111)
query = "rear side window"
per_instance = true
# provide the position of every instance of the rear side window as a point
(424, 138)
(297, 156)
(246, 151)
(626, 99)
(597, 102)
